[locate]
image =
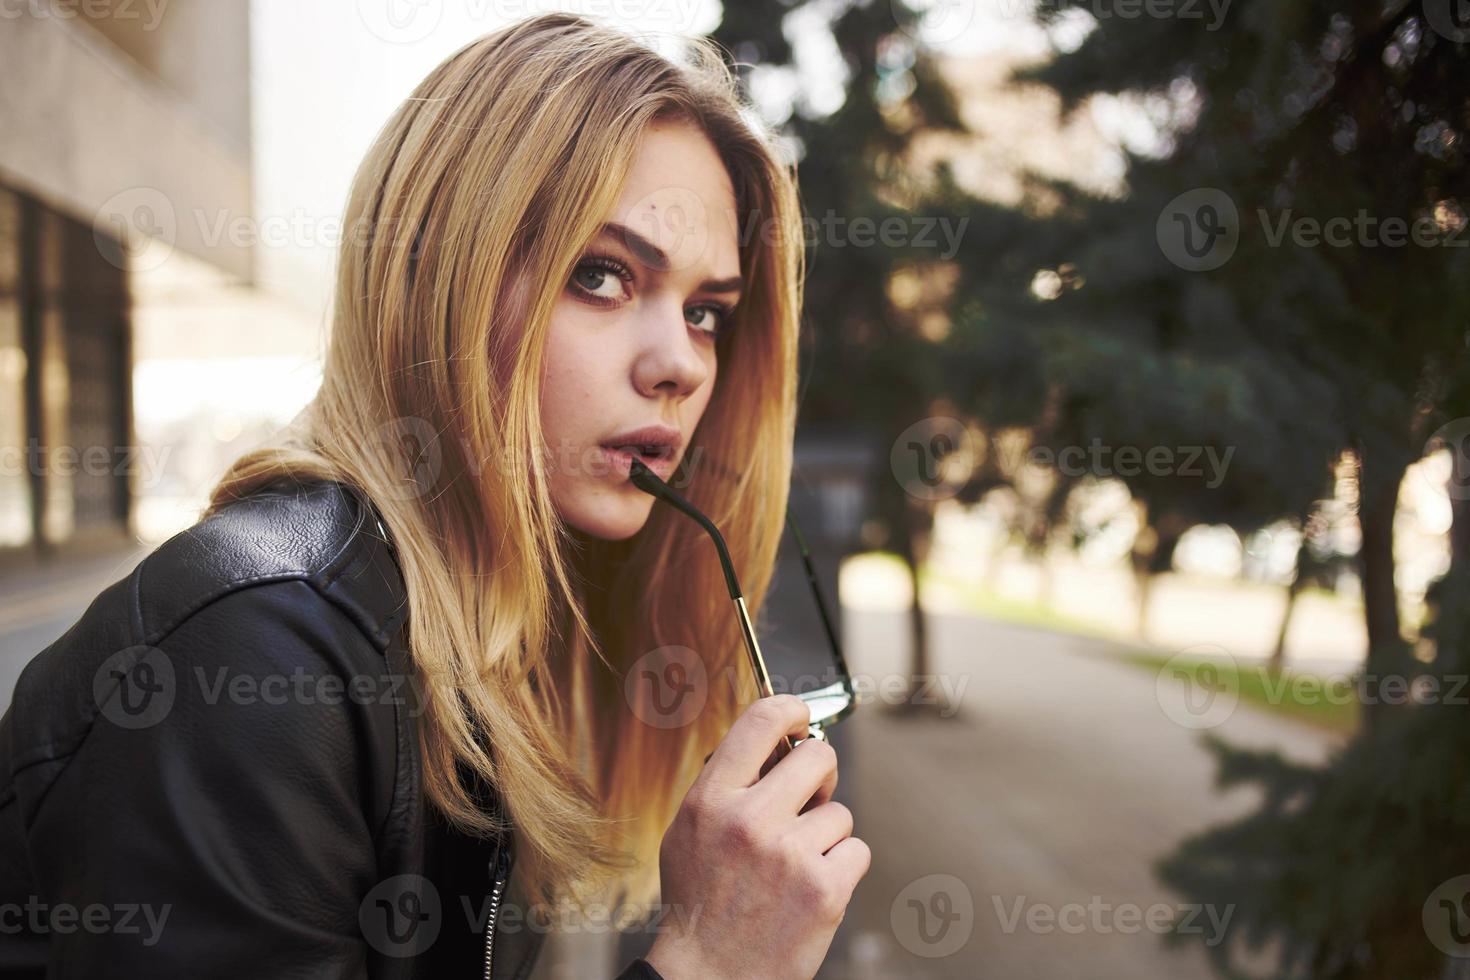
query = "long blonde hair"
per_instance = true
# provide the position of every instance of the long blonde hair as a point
(466, 219)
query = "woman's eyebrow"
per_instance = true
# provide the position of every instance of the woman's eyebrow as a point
(657, 259)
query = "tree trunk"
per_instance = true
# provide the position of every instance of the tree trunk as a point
(918, 635)
(1459, 494)
(1293, 590)
(1143, 586)
(1278, 655)
(1045, 582)
(1139, 559)
(913, 544)
(1377, 501)
(1451, 651)
(1153, 554)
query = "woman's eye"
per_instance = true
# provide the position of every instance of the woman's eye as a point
(710, 319)
(598, 282)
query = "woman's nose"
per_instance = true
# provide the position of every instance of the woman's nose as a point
(669, 360)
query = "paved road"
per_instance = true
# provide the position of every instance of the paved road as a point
(1029, 821)
(37, 605)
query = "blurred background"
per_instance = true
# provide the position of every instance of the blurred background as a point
(1134, 407)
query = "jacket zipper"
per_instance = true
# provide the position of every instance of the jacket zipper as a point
(500, 864)
(499, 876)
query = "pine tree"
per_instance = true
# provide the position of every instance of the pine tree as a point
(1196, 308)
(853, 167)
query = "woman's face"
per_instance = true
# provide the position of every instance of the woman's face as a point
(632, 338)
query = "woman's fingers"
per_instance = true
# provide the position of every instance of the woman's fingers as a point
(824, 792)
(851, 858)
(823, 827)
(801, 775)
(738, 759)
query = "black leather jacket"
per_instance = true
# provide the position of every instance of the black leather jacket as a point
(215, 772)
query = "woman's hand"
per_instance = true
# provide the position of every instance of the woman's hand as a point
(757, 870)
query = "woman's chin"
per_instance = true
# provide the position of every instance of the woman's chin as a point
(611, 520)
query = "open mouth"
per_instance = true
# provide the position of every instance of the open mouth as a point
(648, 452)
(657, 457)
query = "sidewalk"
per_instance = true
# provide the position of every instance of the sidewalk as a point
(40, 599)
(1017, 838)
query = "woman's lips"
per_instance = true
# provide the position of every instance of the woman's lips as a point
(621, 462)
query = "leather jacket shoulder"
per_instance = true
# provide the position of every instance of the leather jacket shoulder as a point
(216, 771)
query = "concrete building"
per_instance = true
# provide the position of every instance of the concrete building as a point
(118, 117)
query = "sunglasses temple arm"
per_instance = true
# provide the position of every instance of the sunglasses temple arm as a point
(649, 483)
(747, 633)
(811, 577)
(747, 629)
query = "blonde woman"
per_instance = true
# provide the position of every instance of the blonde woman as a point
(379, 695)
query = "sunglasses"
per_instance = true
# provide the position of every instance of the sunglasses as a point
(828, 704)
